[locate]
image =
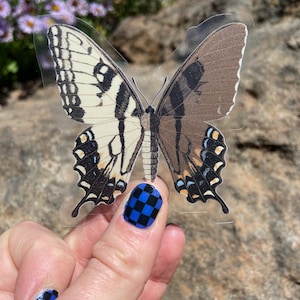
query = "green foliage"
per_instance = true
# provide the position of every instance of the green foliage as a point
(18, 62)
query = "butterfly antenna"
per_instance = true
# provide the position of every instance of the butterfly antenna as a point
(156, 95)
(159, 91)
(139, 91)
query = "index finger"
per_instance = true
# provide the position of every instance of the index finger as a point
(128, 248)
(84, 236)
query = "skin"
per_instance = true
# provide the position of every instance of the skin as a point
(104, 257)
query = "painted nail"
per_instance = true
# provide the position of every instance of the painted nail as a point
(48, 295)
(142, 206)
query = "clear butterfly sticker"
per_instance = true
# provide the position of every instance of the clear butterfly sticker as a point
(95, 90)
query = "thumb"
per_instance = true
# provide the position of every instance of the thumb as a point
(123, 258)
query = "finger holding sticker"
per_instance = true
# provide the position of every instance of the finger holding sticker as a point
(134, 255)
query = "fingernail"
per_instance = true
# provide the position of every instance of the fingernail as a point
(171, 224)
(47, 295)
(142, 206)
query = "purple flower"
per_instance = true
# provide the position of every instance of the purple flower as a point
(97, 10)
(65, 16)
(46, 61)
(109, 6)
(56, 7)
(6, 32)
(79, 7)
(60, 11)
(29, 24)
(5, 9)
(47, 21)
(23, 7)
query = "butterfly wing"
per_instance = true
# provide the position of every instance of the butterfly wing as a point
(95, 91)
(203, 89)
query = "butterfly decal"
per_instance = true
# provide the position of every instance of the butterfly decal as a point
(94, 90)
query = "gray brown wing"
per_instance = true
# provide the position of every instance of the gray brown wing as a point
(203, 89)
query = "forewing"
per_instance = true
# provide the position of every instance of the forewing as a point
(203, 89)
(95, 91)
(91, 85)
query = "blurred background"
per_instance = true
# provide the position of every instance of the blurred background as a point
(255, 253)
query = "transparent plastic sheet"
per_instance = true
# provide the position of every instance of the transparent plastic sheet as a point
(159, 79)
(195, 36)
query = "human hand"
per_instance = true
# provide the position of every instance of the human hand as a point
(104, 257)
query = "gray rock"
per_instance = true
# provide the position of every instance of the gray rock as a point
(257, 255)
(268, 9)
(153, 39)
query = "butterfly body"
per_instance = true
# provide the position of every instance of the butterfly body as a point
(150, 150)
(94, 90)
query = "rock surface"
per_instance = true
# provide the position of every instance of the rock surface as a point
(257, 256)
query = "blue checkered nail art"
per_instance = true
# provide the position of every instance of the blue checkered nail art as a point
(143, 206)
(48, 295)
